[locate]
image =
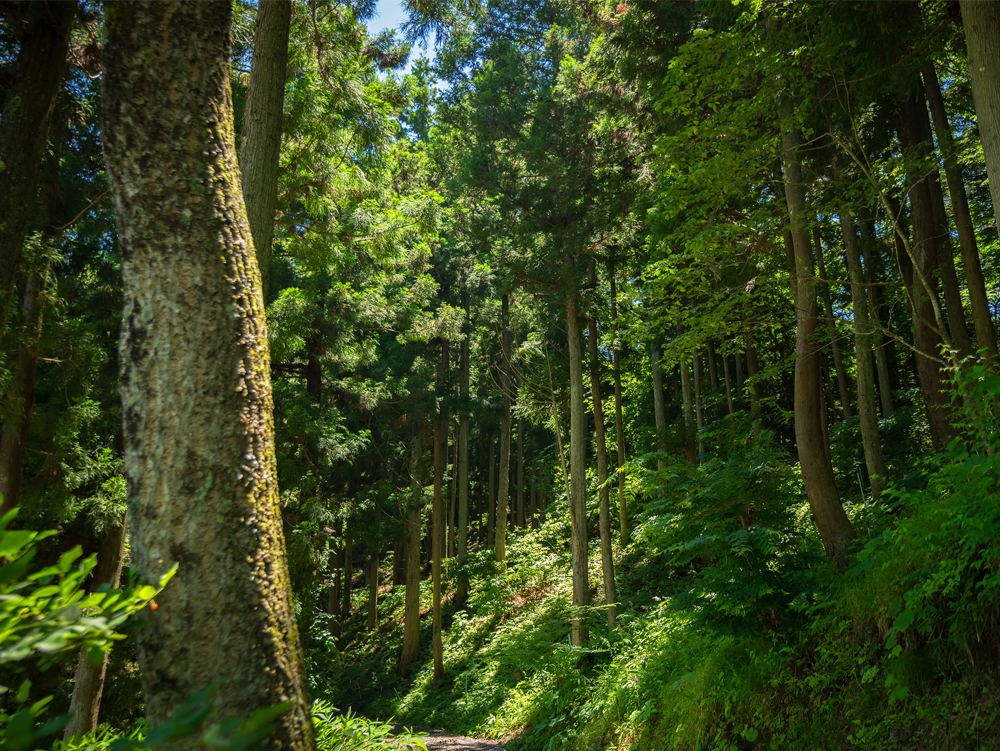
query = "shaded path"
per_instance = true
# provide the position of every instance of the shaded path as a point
(438, 740)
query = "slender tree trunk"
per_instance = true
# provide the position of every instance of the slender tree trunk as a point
(535, 492)
(500, 548)
(834, 527)
(831, 328)
(867, 410)
(577, 459)
(88, 685)
(698, 411)
(398, 562)
(981, 21)
(619, 419)
(345, 608)
(713, 369)
(24, 128)
(740, 380)
(756, 390)
(958, 327)
(262, 124)
(520, 473)
(982, 319)
(411, 608)
(491, 500)
(873, 259)
(462, 592)
(600, 440)
(372, 570)
(20, 400)
(195, 376)
(729, 383)
(452, 526)
(687, 404)
(928, 323)
(659, 405)
(437, 530)
(334, 595)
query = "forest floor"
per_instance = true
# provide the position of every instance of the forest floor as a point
(439, 740)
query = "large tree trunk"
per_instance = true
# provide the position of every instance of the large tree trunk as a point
(928, 320)
(600, 440)
(981, 21)
(577, 459)
(24, 128)
(411, 608)
(867, 409)
(659, 403)
(437, 531)
(619, 419)
(834, 527)
(981, 318)
(462, 591)
(831, 327)
(20, 401)
(195, 376)
(500, 549)
(88, 686)
(262, 124)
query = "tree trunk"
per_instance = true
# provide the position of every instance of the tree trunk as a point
(535, 492)
(20, 401)
(195, 376)
(451, 527)
(491, 503)
(834, 527)
(867, 410)
(958, 327)
(873, 258)
(398, 563)
(577, 459)
(437, 531)
(982, 319)
(500, 549)
(687, 403)
(699, 413)
(335, 594)
(372, 571)
(411, 608)
(831, 328)
(619, 419)
(756, 390)
(88, 685)
(263, 118)
(740, 381)
(24, 128)
(600, 440)
(928, 321)
(713, 369)
(462, 591)
(345, 606)
(981, 21)
(659, 405)
(520, 473)
(729, 383)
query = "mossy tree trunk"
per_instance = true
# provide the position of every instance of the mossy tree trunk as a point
(197, 409)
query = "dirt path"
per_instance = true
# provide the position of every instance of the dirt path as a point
(438, 740)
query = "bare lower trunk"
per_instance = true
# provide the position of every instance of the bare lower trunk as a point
(958, 327)
(981, 21)
(462, 592)
(600, 440)
(729, 382)
(520, 473)
(88, 686)
(687, 403)
(195, 376)
(372, 576)
(867, 409)
(577, 459)
(659, 405)
(831, 328)
(699, 413)
(262, 125)
(24, 128)
(437, 521)
(345, 606)
(411, 608)
(619, 419)
(20, 401)
(873, 257)
(982, 319)
(335, 594)
(491, 503)
(834, 527)
(500, 546)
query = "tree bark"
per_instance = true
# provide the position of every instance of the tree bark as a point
(928, 322)
(687, 404)
(867, 410)
(982, 320)
(619, 419)
(335, 595)
(834, 527)
(263, 118)
(600, 440)
(345, 606)
(873, 259)
(713, 368)
(372, 571)
(831, 328)
(491, 508)
(659, 405)
(500, 549)
(958, 327)
(20, 401)
(729, 383)
(88, 686)
(437, 531)
(756, 390)
(699, 413)
(520, 473)
(462, 591)
(195, 376)
(577, 459)
(411, 607)
(981, 21)
(24, 129)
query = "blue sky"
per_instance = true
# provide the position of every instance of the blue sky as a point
(389, 15)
